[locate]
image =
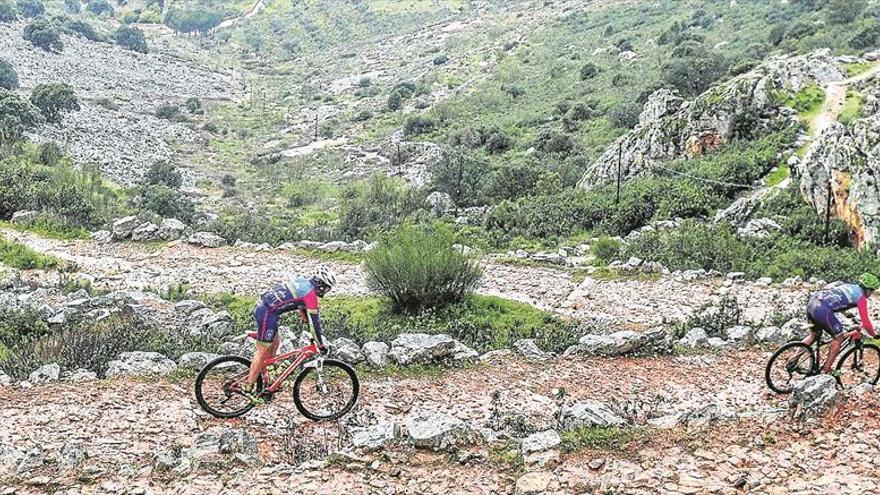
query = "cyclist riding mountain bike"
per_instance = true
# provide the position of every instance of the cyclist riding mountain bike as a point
(299, 294)
(823, 307)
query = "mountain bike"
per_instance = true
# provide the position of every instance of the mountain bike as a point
(859, 362)
(324, 389)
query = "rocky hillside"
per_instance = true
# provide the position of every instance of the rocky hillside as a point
(120, 91)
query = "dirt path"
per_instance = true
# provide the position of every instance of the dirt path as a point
(252, 11)
(620, 303)
(835, 101)
(122, 433)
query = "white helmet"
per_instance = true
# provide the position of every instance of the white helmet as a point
(326, 276)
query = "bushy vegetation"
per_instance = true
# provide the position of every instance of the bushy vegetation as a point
(100, 8)
(54, 100)
(130, 38)
(78, 197)
(43, 34)
(199, 20)
(8, 76)
(17, 115)
(17, 255)
(7, 11)
(82, 28)
(163, 173)
(376, 206)
(166, 202)
(418, 268)
(31, 8)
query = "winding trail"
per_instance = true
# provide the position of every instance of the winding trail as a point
(835, 100)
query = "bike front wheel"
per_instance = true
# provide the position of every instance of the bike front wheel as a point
(859, 365)
(218, 387)
(792, 362)
(326, 393)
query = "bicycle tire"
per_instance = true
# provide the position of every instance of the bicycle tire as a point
(808, 352)
(873, 375)
(200, 381)
(308, 370)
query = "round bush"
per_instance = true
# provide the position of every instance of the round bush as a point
(419, 268)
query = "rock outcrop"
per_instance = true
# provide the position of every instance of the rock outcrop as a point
(712, 119)
(846, 161)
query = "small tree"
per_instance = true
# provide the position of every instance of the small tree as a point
(845, 11)
(8, 77)
(99, 7)
(131, 38)
(164, 174)
(7, 11)
(589, 71)
(31, 8)
(43, 34)
(17, 115)
(418, 125)
(167, 202)
(419, 269)
(168, 112)
(395, 101)
(464, 180)
(625, 115)
(54, 99)
(194, 105)
(83, 29)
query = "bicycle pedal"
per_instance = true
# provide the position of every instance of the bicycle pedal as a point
(267, 396)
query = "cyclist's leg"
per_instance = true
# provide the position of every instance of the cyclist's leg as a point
(832, 324)
(267, 328)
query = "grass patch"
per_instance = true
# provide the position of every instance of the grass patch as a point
(808, 101)
(778, 175)
(506, 455)
(856, 68)
(597, 438)
(17, 255)
(852, 109)
(50, 228)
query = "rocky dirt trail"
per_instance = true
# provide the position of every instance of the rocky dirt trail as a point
(124, 425)
(624, 302)
(835, 100)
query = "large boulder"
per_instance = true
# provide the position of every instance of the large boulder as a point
(140, 363)
(813, 396)
(146, 232)
(421, 348)
(759, 228)
(694, 337)
(589, 413)
(373, 438)
(528, 349)
(740, 335)
(123, 227)
(171, 229)
(195, 360)
(539, 442)
(714, 118)
(376, 354)
(661, 103)
(437, 430)
(440, 203)
(206, 239)
(45, 374)
(188, 306)
(25, 216)
(346, 350)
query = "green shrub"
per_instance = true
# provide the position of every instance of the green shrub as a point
(418, 125)
(73, 6)
(606, 249)
(162, 173)
(49, 154)
(625, 115)
(17, 116)
(7, 11)
(166, 202)
(131, 38)
(554, 142)
(363, 116)
(599, 438)
(376, 206)
(42, 34)
(249, 226)
(194, 105)
(440, 59)
(714, 318)
(54, 99)
(17, 255)
(200, 20)
(395, 102)
(8, 76)
(693, 68)
(844, 11)
(867, 38)
(176, 292)
(81, 28)
(168, 112)
(419, 269)
(99, 7)
(589, 71)
(514, 180)
(18, 323)
(31, 8)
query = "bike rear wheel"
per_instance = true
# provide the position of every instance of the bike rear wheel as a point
(328, 393)
(791, 362)
(857, 366)
(218, 387)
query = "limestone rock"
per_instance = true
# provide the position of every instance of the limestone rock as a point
(206, 239)
(438, 431)
(346, 350)
(45, 374)
(376, 354)
(140, 363)
(373, 438)
(420, 348)
(590, 413)
(24, 217)
(813, 396)
(540, 442)
(530, 350)
(195, 360)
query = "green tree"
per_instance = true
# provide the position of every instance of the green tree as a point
(589, 71)
(8, 77)
(31, 8)
(17, 116)
(163, 173)
(462, 178)
(131, 38)
(82, 28)
(625, 115)
(167, 202)
(693, 69)
(42, 34)
(200, 20)
(100, 7)
(54, 99)
(395, 101)
(7, 11)
(845, 11)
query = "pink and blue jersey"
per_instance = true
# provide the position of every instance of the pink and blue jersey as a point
(299, 294)
(824, 304)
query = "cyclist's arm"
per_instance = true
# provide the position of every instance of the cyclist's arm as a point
(865, 316)
(314, 320)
